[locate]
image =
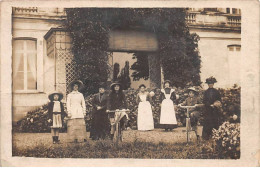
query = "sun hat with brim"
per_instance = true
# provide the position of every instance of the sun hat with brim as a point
(78, 82)
(115, 83)
(51, 96)
(211, 80)
(192, 89)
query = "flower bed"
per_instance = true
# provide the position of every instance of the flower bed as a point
(227, 140)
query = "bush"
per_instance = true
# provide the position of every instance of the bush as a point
(227, 140)
(36, 120)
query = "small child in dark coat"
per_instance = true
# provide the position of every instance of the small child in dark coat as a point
(56, 114)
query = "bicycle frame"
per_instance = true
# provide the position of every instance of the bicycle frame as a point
(119, 114)
(188, 123)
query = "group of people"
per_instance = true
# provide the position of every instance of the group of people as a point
(105, 105)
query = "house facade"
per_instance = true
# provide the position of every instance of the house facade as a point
(42, 58)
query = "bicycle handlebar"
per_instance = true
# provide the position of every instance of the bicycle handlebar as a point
(187, 107)
(122, 110)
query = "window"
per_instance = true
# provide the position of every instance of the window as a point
(234, 57)
(234, 47)
(24, 64)
(228, 10)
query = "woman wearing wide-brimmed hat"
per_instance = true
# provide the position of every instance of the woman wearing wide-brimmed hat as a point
(116, 101)
(211, 101)
(76, 108)
(56, 114)
(168, 117)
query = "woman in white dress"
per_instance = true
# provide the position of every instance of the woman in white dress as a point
(76, 108)
(168, 118)
(145, 115)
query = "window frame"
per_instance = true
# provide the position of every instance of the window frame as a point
(25, 90)
(234, 46)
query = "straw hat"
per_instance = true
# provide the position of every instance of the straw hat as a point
(53, 93)
(192, 89)
(78, 82)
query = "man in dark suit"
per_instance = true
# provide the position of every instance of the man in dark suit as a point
(100, 122)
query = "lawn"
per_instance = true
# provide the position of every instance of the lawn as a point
(155, 144)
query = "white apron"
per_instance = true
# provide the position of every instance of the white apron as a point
(167, 110)
(145, 115)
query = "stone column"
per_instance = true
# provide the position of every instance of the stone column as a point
(154, 71)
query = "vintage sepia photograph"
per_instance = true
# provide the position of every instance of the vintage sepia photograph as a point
(143, 83)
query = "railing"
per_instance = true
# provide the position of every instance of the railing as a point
(213, 20)
(39, 11)
(191, 18)
(234, 20)
(25, 10)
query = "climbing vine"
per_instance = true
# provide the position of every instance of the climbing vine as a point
(178, 49)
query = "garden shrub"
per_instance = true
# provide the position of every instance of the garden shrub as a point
(227, 140)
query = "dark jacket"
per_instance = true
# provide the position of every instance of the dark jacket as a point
(50, 110)
(116, 101)
(100, 100)
(210, 96)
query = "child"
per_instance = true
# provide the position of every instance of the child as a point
(193, 100)
(76, 111)
(56, 114)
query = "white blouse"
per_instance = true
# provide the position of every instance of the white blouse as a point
(76, 106)
(56, 106)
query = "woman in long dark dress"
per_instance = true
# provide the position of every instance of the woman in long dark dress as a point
(100, 122)
(116, 101)
(211, 116)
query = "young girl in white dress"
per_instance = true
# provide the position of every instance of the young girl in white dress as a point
(145, 115)
(168, 118)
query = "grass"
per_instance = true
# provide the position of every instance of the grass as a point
(107, 149)
(155, 144)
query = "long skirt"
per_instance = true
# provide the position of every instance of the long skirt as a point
(76, 130)
(100, 125)
(210, 122)
(145, 116)
(168, 116)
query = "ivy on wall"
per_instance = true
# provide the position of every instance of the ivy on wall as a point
(178, 49)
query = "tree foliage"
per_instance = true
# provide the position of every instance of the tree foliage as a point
(178, 49)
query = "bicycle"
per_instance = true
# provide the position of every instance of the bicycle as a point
(188, 123)
(115, 123)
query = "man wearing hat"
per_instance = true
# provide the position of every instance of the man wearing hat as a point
(211, 101)
(100, 122)
(56, 114)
